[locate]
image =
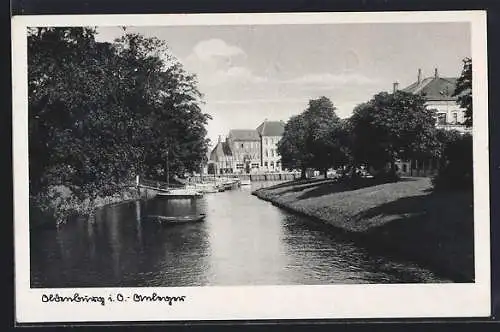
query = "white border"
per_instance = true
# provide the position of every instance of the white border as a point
(262, 302)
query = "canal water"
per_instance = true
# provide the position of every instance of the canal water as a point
(243, 241)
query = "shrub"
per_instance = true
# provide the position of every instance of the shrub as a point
(456, 170)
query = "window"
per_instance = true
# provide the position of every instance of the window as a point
(242, 145)
(265, 141)
(267, 153)
(455, 117)
(441, 118)
(272, 164)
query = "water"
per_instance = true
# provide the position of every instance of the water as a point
(243, 241)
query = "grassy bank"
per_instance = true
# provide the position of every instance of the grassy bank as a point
(59, 205)
(434, 229)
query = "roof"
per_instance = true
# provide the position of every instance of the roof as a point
(434, 88)
(271, 128)
(243, 135)
(222, 149)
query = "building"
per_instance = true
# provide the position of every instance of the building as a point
(221, 158)
(245, 147)
(249, 150)
(270, 132)
(438, 93)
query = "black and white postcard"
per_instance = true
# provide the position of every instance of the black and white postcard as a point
(250, 166)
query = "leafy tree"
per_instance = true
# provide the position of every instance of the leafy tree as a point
(314, 138)
(324, 135)
(390, 127)
(463, 90)
(292, 146)
(100, 113)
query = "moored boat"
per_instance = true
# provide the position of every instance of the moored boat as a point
(181, 193)
(165, 220)
(246, 182)
(206, 187)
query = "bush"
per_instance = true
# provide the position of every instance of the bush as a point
(456, 170)
(57, 205)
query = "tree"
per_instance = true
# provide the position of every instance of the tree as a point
(324, 135)
(463, 90)
(292, 146)
(314, 138)
(390, 127)
(99, 113)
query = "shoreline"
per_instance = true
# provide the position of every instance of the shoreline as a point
(69, 209)
(401, 234)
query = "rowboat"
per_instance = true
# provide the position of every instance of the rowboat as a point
(180, 193)
(177, 219)
(205, 187)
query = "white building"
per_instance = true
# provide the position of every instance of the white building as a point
(270, 132)
(438, 93)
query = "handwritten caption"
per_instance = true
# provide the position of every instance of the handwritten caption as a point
(111, 298)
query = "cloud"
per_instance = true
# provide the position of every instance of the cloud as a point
(207, 49)
(328, 80)
(234, 75)
(218, 63)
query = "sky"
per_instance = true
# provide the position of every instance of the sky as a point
(249, 73)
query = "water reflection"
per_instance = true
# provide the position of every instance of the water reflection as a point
(243, 241)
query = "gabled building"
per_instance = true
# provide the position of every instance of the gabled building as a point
(221, 158)
(438, 93)
(270, 132)
(245, 146)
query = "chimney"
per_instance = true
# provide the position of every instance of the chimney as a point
(395, 86)
(436, 73)
(419, 78)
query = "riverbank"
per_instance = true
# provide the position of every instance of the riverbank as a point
(60, 205)
(406, 219)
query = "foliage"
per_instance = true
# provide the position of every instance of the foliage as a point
(326, 136)
(463, 90)
(390, 127)
(100, 113)
(313, 138)
(292, 146)
(456, 167)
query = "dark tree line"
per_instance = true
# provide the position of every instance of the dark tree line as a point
(100, 113)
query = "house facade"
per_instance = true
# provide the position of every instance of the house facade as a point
(221, 158)
(270, 132)
(438, 93)
(245, 147)
(249, 150)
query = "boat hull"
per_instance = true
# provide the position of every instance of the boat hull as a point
(179, 196)
(174, 220)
